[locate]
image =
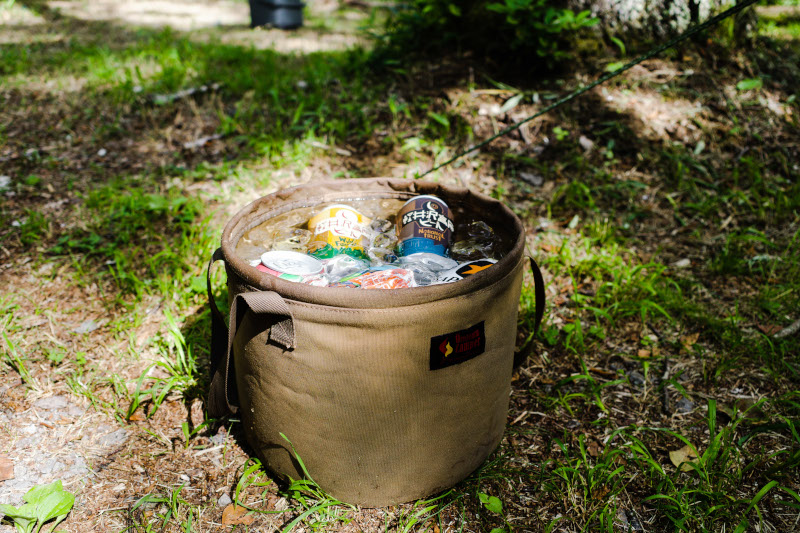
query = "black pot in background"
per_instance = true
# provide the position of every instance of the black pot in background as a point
(283, 14)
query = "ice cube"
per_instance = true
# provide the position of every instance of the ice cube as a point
(471, 250)
(425, 267)
(258, 236)
(292, 239)
(433, 262)
(480, 231)
(384, 240)
(382, 255)
(250, 252)
(381, 225)
(341, 266)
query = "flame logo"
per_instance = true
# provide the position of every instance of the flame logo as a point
(474, 269)
(445, 348)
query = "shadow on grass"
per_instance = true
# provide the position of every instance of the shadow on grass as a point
(267, 104)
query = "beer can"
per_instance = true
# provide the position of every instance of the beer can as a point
(424, 225)
(291, 266)
(463, 270)
(338, 229)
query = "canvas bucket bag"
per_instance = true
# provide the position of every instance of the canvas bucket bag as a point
(387, 396)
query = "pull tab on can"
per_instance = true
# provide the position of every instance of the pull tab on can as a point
(424, 225)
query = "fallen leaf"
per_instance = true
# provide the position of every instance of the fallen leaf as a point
(196, 413)
(644, 354)
(593, 448)
(770, 329)
(235, 515)
(687, 341)
(272, 501)
(534, 179)
(748, 409)
(682, 457)
(137, 417)
(6, 468)
(88, 326)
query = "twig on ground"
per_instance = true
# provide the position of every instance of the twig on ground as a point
(665, 390)
(161, 99)
(793, 328)
(664, 376)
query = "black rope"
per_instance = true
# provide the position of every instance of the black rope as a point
(579, 91)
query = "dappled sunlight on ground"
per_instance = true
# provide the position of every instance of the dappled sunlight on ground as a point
(28, 35)
(181, 14)
(13, 14)
(657, 116)
(302, 40)
(224, 21)
(61, 84)
(131, 132)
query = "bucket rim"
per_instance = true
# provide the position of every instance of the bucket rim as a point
(325, 191)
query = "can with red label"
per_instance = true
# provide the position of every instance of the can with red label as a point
(291, 266)
(338, 229)
(380, 278)
(424, 225)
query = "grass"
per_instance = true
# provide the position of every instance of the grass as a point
(147, 242)
(671, 258)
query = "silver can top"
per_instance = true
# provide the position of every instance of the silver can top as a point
(292, 263)
(421, 196)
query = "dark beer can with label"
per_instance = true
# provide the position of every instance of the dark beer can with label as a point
(424, 225)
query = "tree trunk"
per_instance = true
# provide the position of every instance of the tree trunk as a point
(651, 19)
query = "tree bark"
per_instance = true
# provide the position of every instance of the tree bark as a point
(650, 19)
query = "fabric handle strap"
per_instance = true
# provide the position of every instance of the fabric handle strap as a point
(538, 292)
(223, 396)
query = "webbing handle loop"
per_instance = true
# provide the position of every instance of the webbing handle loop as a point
(539, 294)
(223, 395)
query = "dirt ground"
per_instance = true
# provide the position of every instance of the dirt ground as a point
(84, 344)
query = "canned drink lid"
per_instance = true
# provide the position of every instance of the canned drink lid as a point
(421, 196)
(292, 263)
(342, 206)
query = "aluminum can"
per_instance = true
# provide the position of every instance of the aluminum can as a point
(291, 266)
(338, 229)
(463, 270)
(424, 225)
(380, 278)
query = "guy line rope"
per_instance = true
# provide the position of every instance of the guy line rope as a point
(579, 91)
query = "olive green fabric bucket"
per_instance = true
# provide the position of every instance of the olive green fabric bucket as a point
(387, 396)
